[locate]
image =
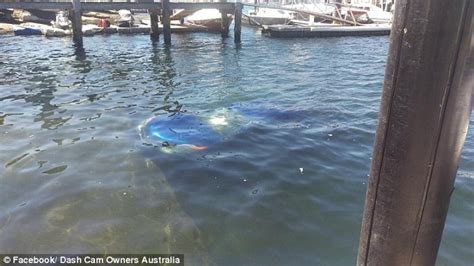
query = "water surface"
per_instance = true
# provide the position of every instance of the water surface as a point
(76, 178)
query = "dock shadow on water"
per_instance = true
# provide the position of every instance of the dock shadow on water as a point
(89, 208)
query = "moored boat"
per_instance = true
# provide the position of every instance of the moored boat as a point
(54, 32)
(312, 7)
(269, 16)
(373, 12)
(62, 21)
(209, 18)
(89, 29)
(125, 19)
(19, 30)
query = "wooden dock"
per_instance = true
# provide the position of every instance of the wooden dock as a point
(163, 8)
(162, 11)
(284, 31)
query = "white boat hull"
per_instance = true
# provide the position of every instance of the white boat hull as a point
(257, 20)
(210, 19)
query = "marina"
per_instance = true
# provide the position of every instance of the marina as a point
(261, 133)
(76, 8)
(283, 20)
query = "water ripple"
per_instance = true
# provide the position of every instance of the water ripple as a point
(284, 190)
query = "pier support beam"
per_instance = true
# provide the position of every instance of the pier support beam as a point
(154, 30)
(423, 122)
(225, 23)
(237, 22)
(75, 16)
(166, 14)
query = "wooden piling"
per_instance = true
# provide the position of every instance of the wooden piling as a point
(225, 23)
(166, 14)
(154, 30)
(237, 22)
(423, 122)
(76, 22)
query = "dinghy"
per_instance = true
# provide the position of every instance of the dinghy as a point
(17, 30)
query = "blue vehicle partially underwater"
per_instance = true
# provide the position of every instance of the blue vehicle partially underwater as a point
(187, 132)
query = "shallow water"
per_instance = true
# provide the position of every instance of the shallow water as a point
(76, 178)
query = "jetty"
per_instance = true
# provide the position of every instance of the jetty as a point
(163, 8)
(166, 17)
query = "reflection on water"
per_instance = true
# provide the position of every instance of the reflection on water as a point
(164, 74)
(76, 178)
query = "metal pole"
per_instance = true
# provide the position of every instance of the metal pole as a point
(423, 122)
(337, 3)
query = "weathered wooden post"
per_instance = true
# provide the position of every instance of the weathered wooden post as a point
(166, 14)
(423, 122)
(154, 30)
(76, 22)
(237, 21)
(153, 13)
(224, 22)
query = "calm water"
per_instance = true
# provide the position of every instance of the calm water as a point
(76, 178)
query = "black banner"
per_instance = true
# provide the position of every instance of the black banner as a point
(91, 259)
